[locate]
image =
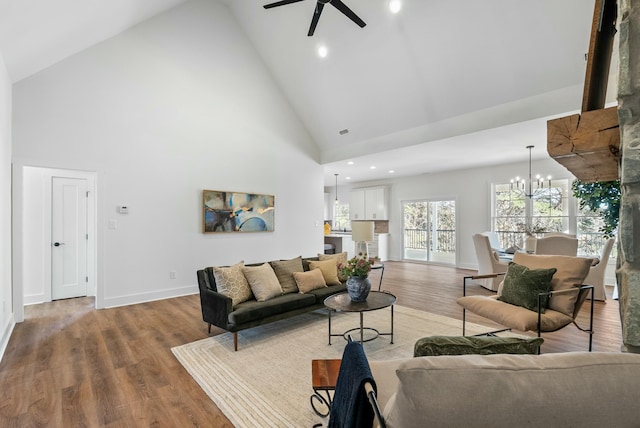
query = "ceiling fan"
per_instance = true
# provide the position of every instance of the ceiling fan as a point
(338, 4)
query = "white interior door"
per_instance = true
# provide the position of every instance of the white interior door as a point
(68, 238)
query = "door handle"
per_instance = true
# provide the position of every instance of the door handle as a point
(57, 244)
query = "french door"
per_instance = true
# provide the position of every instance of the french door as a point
(429, 231)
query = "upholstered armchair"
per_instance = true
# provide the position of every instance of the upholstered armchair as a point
(529, 301)
(488, 262)
(596, 273)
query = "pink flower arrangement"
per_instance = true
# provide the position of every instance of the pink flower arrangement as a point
(356, 266)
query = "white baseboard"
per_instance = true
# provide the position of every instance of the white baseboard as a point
(132, 299)
(34, 299)
(6, 335)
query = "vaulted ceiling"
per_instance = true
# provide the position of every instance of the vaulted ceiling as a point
(443, 84)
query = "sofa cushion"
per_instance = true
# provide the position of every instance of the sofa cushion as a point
(482, 345)
(568, 389)
(571, 272)
(512, 316)
(310, 280)
(284, 270)
(263, 281)
(340, 258)
(324, 292)
(522, 286)
(329, 269)
(253, 310)
(231, 282)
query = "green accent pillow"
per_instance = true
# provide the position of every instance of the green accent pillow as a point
(476, 345)
(522, 286)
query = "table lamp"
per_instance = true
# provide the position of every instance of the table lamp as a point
(361, 233)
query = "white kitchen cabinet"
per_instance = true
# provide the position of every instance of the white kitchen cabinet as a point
(357, 205)
(369, 204)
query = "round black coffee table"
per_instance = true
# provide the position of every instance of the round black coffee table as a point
(375, 300)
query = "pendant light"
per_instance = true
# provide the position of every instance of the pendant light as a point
(521, 184)
(336, 189)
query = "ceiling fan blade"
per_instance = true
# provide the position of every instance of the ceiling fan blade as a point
(316, 17)
(280, 3)
(348, 12)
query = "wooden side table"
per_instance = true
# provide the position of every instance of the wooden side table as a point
(324, 375)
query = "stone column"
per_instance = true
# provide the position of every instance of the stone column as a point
(628, 272)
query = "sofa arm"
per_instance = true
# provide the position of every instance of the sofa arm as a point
(216, 307)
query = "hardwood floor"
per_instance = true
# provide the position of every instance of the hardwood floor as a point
(69, 365)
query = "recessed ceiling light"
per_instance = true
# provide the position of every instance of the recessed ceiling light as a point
(348, 178)
(395, 6)
(391, 171)
(350, 163)
(372, 167)
(323, 51)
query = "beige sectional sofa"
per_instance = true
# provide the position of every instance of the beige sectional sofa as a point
(551, 390)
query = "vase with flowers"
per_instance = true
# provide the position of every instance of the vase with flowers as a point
(357, 271)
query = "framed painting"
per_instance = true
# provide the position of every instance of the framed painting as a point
(225, 211)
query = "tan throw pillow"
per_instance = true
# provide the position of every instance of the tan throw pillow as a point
(231, 282)
(263, 281)
(340, 258)
(284, 270)
(329, 269)
(571, 272)
(309, 280)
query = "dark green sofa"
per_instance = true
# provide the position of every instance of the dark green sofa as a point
(217, 309)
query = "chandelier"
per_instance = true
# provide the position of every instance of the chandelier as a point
(527, 186)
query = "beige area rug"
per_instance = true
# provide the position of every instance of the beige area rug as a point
(267, 383)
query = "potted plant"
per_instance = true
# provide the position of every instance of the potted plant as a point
(357, 271)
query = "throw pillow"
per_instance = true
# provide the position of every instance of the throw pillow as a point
(263, 281)
(329, 269)
(310, 280)
(522, 286)
(284, 270)
(231, 282)
(482, 345)
(340, 258)
(571, 272)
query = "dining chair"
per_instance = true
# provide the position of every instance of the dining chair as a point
(557, 245)
(597, 271)
(488, 262)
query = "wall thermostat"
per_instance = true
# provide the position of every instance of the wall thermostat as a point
(123, 209)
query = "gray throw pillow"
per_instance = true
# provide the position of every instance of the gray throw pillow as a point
(522, 286)
(284, 270)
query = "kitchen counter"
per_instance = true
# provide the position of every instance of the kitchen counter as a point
(344, 242)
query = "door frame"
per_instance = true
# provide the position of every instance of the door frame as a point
(21, 224)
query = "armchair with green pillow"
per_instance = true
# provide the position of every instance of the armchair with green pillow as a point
(539, 293)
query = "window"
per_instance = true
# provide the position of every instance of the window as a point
(515, 215)
(341, 217)
(509, 215)
(550, 208)
(590, 239)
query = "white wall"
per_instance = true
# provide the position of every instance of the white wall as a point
(178, 104)
(6, 303)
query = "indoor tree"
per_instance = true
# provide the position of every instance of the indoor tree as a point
(603, 198)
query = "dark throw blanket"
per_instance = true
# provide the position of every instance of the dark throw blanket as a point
(351, 408)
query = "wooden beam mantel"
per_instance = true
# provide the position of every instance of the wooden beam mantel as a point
(588, 145)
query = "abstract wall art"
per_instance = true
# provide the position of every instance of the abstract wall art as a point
(237, 212)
